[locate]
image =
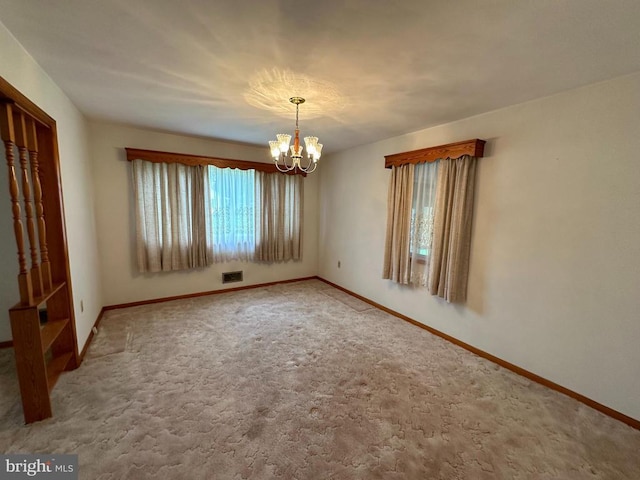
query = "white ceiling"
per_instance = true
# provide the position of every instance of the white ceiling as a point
(370, 69)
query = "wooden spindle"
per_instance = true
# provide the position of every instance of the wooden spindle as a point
(20, 126)
(8, 137)
(15, 205)
(32, 146)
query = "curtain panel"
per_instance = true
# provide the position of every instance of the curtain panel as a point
(398, 238)
(170, 211)
(449, 266)
(279, 220)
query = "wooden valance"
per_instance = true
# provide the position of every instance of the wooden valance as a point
(169, 157)
(474, 148)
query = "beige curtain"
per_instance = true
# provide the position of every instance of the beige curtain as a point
(172, 227)
(397, 256)
(452, 228)
(279, 218)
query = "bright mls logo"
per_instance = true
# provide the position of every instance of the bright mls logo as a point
(51, 467)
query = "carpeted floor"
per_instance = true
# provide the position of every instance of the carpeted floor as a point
(304, 382)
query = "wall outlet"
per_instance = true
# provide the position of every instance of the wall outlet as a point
(338, 263)
(81, 305)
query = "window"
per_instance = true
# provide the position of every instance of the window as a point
(422, 215)
(194, 211)
(255, 215)
(232, 212)
(429, 215)
(422, 211)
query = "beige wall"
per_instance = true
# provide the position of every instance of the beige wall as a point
(19, 69)
(114, 215)
(555, 262)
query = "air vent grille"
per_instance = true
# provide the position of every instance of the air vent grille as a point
(230, 277)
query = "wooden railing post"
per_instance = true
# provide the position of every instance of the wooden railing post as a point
(32, 146)
(7, 133)
(20, 127)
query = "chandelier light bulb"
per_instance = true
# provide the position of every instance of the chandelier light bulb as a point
(275, 148)
(311, 143)
(283, 141)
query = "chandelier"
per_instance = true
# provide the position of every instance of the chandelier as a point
(280, 147)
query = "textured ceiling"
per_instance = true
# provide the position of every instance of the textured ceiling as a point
(369, 69)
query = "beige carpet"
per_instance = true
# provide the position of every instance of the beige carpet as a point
(292, 382)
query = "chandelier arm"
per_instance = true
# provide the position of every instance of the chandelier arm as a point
(309, 165)
(308, 170)
(285, 168)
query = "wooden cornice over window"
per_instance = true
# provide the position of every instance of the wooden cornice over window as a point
(168, 157)
(473, 148)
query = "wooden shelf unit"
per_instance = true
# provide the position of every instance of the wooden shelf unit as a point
(42, 350)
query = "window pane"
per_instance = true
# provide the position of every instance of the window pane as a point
(423, 203)
(232, 213)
